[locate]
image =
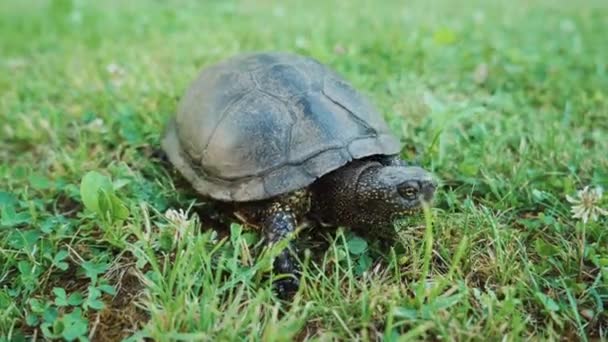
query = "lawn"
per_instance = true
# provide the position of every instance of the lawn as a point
(505, 101)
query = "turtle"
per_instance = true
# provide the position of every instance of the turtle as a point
(280, 138)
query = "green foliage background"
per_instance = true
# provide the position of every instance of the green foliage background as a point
(506, 101)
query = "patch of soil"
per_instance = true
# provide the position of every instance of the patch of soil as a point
(311, 329)
(66, 206)
(122, 316)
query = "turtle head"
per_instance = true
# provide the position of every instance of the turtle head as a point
(387, 193)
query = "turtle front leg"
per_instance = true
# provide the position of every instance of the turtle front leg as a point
(279, 223)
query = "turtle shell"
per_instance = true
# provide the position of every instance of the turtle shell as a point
(259, 125)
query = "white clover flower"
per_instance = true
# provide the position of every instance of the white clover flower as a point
(586, 205)
(180, 220)
(115, 69)
(176, 216)
(117, 74)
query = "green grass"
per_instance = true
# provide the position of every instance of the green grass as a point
(88, 86)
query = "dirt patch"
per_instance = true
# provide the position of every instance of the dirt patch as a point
(122, 315)
(311, 329)
(66, 206)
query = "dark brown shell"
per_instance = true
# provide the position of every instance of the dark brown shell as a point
(259, 125)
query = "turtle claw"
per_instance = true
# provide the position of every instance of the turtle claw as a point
(160, 155)
(286, 288)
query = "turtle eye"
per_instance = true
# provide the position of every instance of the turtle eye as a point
(408, 191)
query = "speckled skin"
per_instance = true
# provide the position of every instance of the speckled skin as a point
(278, 218)
(369, 193)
